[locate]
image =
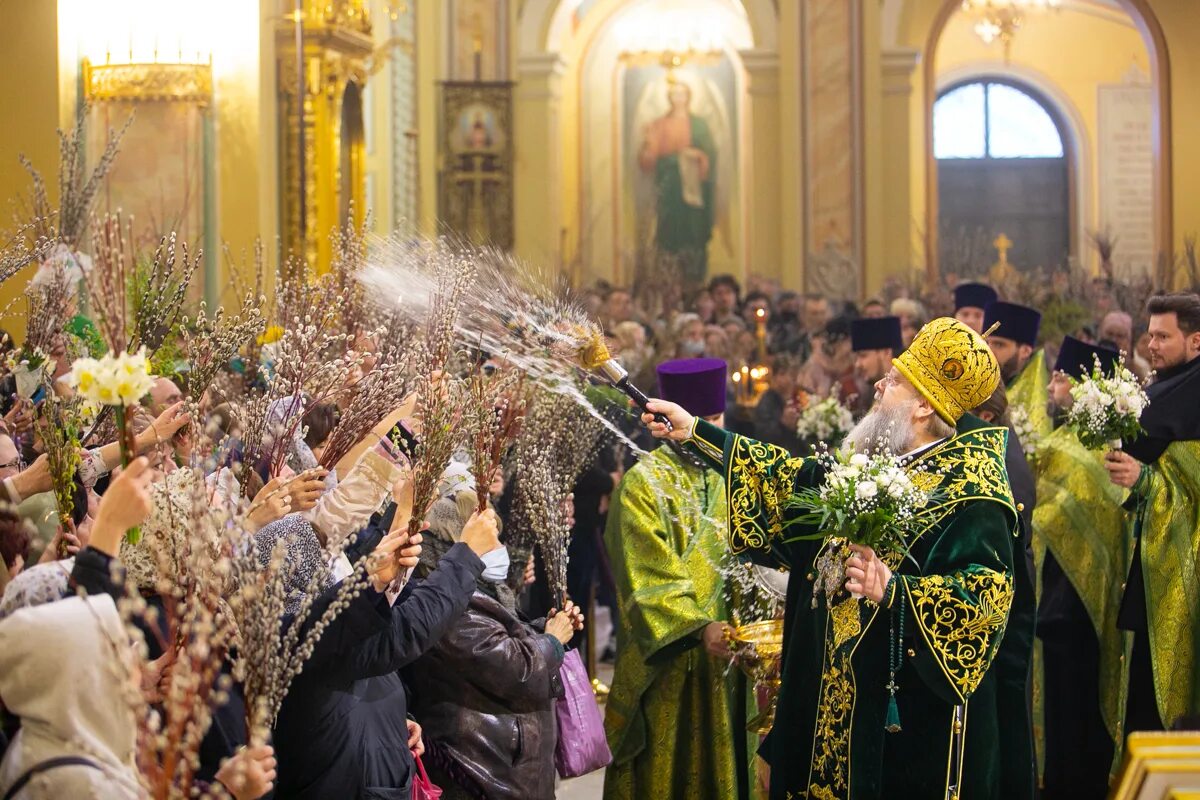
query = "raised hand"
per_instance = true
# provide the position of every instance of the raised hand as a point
(125, 505)
(866, 574)
(681, 421)
(250, 774)
(482, 533)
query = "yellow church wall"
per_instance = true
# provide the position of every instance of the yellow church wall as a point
(1070, 55)
(880, 256)
(789, 253)
(1180, 20)
(29, 95)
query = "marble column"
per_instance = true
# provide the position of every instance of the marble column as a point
(903, 245)
(763, 183)
(832, 120)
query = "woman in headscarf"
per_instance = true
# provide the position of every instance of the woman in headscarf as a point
(78, 732)
(485, 693)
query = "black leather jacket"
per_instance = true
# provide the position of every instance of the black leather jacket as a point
(484, 696)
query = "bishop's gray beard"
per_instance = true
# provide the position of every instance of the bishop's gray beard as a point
(884, 428)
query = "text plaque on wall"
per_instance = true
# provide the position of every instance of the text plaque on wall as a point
(1126, 172)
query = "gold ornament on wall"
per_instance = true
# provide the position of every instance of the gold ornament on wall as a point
(475, 196)
(324, 49)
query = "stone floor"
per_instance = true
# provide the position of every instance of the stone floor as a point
(589, 787)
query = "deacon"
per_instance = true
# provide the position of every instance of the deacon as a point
(875, 343)
(671, 720)
(888, 687)
(970, 303)
(1082, 553)
(1162, 470)
(1022, 363)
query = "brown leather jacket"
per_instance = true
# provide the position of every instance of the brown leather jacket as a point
(484, 696)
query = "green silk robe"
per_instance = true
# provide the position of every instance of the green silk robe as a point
(1170, 531)
(955, 592)
(1030, 391)
(1079, 519)
(670, 716)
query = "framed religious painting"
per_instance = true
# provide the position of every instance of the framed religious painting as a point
(475, 192)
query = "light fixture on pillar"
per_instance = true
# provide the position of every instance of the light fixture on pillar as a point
(1001, 19)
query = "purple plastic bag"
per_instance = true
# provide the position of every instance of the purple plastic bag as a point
(582, 747)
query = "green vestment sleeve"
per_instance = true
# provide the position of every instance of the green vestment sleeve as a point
(1170, 537)
(760, 479)
(959, 603)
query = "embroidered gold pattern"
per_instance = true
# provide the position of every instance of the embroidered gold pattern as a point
(831, 748)
(845, 621)
(761, 479)
(961, 617)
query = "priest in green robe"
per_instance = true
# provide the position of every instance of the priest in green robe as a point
(1081, 549)
(889, 686)
(1161, 468)
(1022, 363)
(674, 722)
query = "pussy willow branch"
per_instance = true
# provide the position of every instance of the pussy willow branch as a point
(495, 406)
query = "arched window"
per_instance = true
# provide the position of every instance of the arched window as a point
(1002, 169)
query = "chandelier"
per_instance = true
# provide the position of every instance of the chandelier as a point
(1001, 19)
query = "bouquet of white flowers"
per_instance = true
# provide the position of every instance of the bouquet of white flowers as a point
(120, 381)
(1029, 436)
(825, 421)
(1107, 409)
(867, 500)
(29, 367)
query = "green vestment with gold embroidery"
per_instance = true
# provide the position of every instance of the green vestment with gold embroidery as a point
(955, 590)
(670, 718)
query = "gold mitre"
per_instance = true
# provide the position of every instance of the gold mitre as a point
(951, 366)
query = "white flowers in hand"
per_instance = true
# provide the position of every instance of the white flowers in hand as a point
(121, 380)
(825, 421)
(1106, 408)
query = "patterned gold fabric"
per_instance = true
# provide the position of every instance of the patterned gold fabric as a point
(1079, 519)
(951, 366)
(1030, 391)
(669, 718)
(1170, 537)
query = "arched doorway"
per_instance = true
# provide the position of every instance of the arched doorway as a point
(1003, 169)
(923, 25)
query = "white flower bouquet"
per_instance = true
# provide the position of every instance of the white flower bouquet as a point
(113, 380)
(826, 420)
(1029, 436)
(29, 367)
(119, 381)
(866, 500)
(1107, 409)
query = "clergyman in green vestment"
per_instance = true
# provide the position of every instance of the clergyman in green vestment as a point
(672, 718)
(921, 627)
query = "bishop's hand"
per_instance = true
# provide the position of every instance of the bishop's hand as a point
(866, 574)
(681, 421)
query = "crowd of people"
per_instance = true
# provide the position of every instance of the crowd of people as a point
(1100, 570)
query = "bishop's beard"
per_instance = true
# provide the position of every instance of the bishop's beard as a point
(883, 429)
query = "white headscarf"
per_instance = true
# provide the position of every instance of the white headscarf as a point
(59, 673)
